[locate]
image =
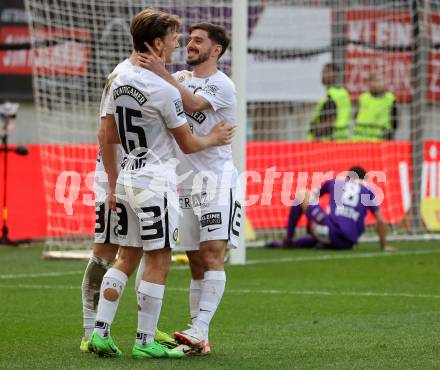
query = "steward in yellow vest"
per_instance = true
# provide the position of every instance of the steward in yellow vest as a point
(376, 119)
(332, 115)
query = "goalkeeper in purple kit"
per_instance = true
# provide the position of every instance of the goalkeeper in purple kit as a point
(342, 226)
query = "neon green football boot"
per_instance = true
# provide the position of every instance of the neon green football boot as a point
(104, 347)
(165, 339)
(84, 346)
(155, 350)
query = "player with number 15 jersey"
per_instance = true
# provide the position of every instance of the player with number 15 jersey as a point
(145, 108)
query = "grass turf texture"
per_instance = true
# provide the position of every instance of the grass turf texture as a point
(285, 309)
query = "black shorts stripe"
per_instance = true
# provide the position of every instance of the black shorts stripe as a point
(167, 225)
(108, 227)
(230, 214)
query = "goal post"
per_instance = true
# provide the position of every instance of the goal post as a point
(279, 48)
(239, 76)
(75, 45)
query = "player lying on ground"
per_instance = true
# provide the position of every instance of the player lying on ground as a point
(105, 245)
(210, 213)
(340, 229)
(146, 113)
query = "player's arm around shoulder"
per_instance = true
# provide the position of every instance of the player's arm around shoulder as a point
(382, 232)
(191, 102)
(219, 93)
(171, 109)
(221, 134)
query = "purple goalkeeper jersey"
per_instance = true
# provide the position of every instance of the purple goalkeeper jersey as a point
(349, 203)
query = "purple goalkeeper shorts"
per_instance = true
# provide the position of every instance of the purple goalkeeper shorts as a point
(324, 230)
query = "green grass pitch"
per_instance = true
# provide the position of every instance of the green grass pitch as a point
(284, 310)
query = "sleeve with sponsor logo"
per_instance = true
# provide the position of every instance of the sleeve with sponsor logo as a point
(171, 108)
(219, 94)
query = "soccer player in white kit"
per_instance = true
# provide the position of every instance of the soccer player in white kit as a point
(148, 113)
(211, 215)
(106, 241)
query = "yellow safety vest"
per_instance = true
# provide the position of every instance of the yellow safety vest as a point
(374, 116)
(343, 114)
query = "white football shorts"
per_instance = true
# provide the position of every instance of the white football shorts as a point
(147, 219)
(209, 215)
(106, 221)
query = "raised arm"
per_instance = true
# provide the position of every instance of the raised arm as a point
(191, 102)
(220, 134)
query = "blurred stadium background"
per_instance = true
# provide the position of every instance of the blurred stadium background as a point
(55, 55)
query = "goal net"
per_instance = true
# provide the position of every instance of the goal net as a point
(378, 50)
(77, 43)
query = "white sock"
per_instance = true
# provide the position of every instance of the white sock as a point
(149, 297)
(195, 290)
(89, 318)
(213, 287)
(90, 288)
(113, 279)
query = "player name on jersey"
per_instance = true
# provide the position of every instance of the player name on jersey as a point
(130, 91)
(199, 117)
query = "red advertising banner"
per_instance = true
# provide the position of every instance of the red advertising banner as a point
(72, 209)
(383, 39)
(64, 58)
(302, 170)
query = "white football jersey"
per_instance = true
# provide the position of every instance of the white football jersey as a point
(121, 67)
(219, 91)
(145, 107)
(101, 176)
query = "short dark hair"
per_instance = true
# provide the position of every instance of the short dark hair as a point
(333, 67)
(150, 24)
(216, 33)
(357, 171)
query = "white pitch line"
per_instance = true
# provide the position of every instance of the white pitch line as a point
(253, 291)
(320, 293)
(326, 293)
(335, 256)
(338, 256)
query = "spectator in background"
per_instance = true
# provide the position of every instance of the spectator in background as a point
(377, 116)
(332, 115)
